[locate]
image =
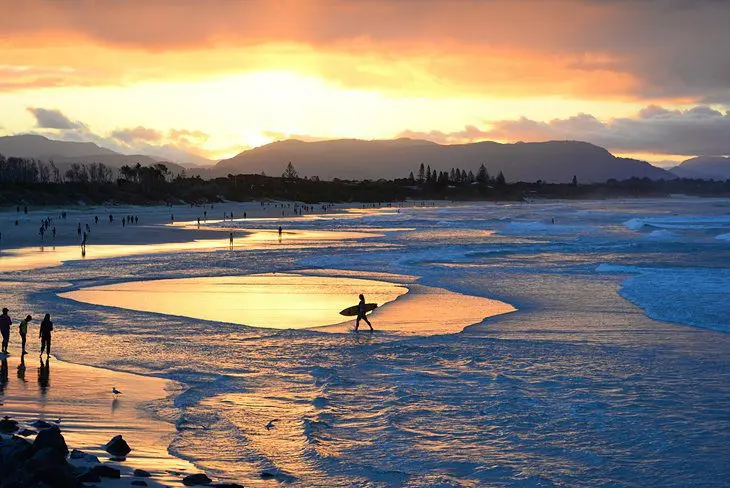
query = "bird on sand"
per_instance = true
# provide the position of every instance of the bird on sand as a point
(116, 392)
(271, 425)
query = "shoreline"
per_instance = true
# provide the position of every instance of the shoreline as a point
(93, 415)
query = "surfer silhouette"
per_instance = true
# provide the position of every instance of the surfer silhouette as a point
(361, 314)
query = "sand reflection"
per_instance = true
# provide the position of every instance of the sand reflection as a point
(283, 301)
(299, 301)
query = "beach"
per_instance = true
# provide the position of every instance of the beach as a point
(508, 349)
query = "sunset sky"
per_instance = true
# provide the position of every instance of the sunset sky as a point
(648, 78)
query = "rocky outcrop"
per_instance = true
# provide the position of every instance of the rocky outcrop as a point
(117, 446)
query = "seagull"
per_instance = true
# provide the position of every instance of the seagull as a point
(271, 425)
(116, 392)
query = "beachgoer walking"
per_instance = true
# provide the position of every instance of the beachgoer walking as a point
(279, 231)
(45, 334)
(361, 314)
(5, 324)
(23, 331)
(230, 239)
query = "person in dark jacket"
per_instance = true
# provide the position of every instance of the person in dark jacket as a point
(45, 334)
(5, 324)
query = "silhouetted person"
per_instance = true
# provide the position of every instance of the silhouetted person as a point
(96, 219)
(279, 231)
(5, 324)
(44, 374)
(361, 314)
(45, 334)
(23, 331)
(230, 239)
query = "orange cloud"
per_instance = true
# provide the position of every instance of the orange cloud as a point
(566, 48)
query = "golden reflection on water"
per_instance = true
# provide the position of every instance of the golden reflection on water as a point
(281, 301)
(43, 256)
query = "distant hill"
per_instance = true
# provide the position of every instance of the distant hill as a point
(704, 167)
(554, 161)
(66, 153)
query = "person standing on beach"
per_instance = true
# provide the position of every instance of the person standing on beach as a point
(5, 324)
(45, 334)
(361, 314)
(23, 331)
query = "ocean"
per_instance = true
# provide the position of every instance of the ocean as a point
(612, 371)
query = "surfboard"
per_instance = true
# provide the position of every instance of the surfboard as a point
(352, 311)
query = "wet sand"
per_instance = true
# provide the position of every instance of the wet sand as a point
(79, 398)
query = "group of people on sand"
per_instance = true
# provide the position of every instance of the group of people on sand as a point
(44, 332)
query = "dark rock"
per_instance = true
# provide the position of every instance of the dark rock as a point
(15, 450)
(46, 456)
(41, 424)
(89, 477)
(26, 432)
(51, 438)
(49, 466)
(117, 446)
(141, 473)
(81, 455)
(138, 483)
(8, 426)
(196, 479)
(76, 454)
(105, 471)
(277, 475)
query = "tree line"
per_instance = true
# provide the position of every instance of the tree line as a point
(26, 181)
(24, 170)
(456, 177)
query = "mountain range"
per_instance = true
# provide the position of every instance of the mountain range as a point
(704, 168)
(552, 161)
(65, 153)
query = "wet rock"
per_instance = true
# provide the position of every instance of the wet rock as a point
(51, 438)
(105, 471)
(141, 473)
(15, 450)
(8, 425)
(41, 424)
(83, 456)
(138, 483)
(117, 446)
(88, 477)
(49, 466)
(277, 475)
(196, 479)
